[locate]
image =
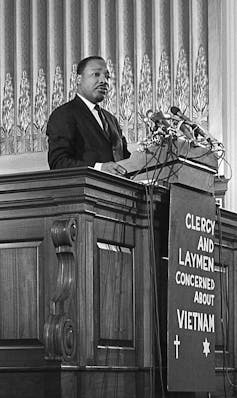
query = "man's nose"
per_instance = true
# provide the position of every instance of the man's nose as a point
(103, 78)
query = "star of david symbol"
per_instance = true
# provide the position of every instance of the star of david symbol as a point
(206, 347)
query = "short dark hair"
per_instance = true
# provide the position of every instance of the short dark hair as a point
(82, 64)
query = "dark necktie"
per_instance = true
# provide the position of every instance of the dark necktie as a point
(103, 120)
(117, 146)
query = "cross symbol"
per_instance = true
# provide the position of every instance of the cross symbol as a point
(177, 344)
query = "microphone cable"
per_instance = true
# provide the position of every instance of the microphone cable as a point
(155, 156)
(175, 155)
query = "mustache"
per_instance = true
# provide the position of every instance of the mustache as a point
(104, 85)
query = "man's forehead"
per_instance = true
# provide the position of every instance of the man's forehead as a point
(96, 65)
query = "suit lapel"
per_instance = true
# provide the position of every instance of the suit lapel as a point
(90, 122)
(90, 117)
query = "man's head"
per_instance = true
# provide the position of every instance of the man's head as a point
(92, 78)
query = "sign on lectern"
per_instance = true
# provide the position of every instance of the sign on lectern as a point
(191, 291)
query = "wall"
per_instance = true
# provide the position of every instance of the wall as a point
(229, 67)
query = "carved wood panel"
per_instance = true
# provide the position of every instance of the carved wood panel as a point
(59, 329)
(116, 290)
(19, 291)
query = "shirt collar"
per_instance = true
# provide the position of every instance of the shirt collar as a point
(90, 104)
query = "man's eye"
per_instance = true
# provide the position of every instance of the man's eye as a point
(98, 74)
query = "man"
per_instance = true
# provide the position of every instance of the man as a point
(80, 133)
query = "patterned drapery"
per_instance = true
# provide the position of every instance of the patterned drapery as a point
(156, 51)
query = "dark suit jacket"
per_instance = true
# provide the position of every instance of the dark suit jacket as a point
(76, 138)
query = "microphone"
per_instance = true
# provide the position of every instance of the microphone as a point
(149, 122)
(185, 130)
(196, 129)
(157, 117)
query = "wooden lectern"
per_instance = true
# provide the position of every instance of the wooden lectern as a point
(76, 283)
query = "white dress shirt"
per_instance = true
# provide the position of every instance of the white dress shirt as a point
(91, 106)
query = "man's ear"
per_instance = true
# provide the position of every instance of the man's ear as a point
(78, 79)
